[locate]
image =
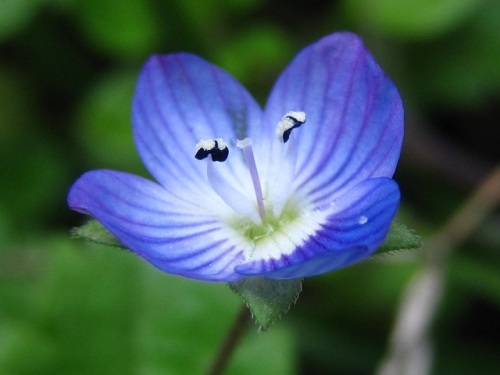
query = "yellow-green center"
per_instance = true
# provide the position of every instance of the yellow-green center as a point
(271, 224)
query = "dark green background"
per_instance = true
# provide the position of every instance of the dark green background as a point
(67, 74)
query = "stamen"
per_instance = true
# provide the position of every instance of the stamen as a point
(218, 151)
(231, 196)
(217, 148)
(246, 146)
(290, 121)
(286, 177)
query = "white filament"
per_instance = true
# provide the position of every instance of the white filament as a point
(246, 146)
(231, 196)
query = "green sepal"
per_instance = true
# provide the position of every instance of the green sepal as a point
(267, 299)
(95, 232)
(399, 238)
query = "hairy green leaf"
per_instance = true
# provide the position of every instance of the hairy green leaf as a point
(95, 232)
(267, 299)
(399, 238)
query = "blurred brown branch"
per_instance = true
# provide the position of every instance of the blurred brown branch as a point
(410, 347)
(425, 149)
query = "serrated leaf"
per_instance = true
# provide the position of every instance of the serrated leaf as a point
(95, 232)
(399, 238)
(267, 299)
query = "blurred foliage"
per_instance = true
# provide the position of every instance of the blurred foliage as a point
(411, 19)
(72, 310)
(67, 74)
(102, 123)
(16, 14)
(119, 28)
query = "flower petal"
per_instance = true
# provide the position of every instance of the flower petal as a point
(354, 125)
(181, 99)
(354, 226)
(174, 235)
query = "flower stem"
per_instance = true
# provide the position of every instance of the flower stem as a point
(231, 342)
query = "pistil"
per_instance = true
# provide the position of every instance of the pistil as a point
(246, 146)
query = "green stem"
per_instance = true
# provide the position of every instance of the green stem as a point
(231, 342)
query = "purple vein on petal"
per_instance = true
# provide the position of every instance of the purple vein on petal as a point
(208, 113)
(329, 187)
(154, 239)
(177, 261)
(132, 187)
(318, 127)
(345, 175)
(220, 259)
(330, 74)
(156, 136)
(176, 101)
(217, 257)
(360, 131)
(375, 145)
(130, 222)
(320, 165)
(329, 184)
(145, 144)
(205, 251)
(224, 268)
(214, 121)
(174, 109)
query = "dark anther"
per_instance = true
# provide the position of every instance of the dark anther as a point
(217, 149)
(286, 134)
(293, 123)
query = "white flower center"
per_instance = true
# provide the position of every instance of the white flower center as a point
(269, 217)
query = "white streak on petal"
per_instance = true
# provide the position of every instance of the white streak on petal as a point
(231, 196)
(280, 189)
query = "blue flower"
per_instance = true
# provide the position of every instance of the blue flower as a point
(268, 208)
